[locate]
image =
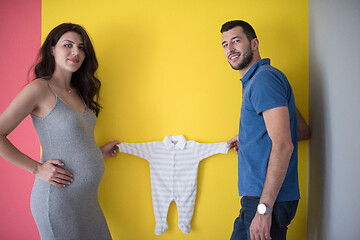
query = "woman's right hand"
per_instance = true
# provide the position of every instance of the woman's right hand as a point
(56, 176)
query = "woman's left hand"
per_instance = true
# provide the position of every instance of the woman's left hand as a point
(110, 149)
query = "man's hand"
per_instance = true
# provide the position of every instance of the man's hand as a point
(234, 143)
(110, 149)
(260, 227)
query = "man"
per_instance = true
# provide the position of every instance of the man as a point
(267, 140)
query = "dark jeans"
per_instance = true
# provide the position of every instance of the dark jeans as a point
(283, 213)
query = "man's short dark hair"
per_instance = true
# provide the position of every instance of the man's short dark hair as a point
(247, 28)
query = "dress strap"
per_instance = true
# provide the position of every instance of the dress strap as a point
(52, 89)
(82, 99)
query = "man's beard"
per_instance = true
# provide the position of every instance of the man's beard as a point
(247, 58)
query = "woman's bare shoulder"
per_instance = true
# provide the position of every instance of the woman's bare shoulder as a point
(39, 83)
(38, 86)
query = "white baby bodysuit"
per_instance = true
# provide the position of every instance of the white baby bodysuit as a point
(173, 171)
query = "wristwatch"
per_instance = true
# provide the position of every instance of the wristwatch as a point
(263, 209)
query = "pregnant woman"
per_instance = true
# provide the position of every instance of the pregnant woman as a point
(62, 102)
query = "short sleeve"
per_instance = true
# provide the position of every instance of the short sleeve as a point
(142, 150)
(268, 91)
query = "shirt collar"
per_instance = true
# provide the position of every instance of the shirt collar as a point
(253, 69)
(175, 141)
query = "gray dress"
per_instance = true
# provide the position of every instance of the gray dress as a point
(72, 212)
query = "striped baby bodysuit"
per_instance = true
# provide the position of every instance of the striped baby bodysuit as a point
(173, 171)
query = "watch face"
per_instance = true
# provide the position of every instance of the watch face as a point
(261, 208)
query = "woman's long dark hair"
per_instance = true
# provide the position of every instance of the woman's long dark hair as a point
(83, 79)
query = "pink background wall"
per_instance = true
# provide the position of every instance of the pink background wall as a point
(20, 39)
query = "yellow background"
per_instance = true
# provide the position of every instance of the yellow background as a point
(163, 72)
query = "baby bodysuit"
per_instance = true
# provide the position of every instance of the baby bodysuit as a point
(173, 171)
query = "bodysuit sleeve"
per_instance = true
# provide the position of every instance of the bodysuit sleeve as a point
(204, 150)
(142, 150)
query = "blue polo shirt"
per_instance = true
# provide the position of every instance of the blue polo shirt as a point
(264, 87)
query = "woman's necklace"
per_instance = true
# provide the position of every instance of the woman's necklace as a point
(68, 90)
